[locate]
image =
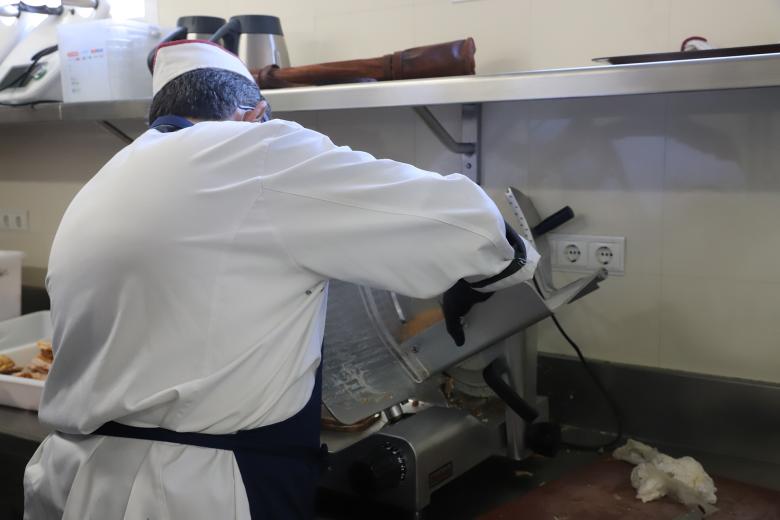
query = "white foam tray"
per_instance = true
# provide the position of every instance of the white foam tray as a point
(18, 337)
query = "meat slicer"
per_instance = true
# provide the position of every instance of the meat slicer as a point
(405, 411)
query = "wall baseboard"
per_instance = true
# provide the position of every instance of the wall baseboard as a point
(731, 417)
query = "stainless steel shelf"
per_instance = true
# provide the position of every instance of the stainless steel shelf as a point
(607, 80)
(43, 112)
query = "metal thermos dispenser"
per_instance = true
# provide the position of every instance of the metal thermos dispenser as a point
(199, 27)
(256, 39)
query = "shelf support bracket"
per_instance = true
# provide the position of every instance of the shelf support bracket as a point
(115, 131)
(471, 129)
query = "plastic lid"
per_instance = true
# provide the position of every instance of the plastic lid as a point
(201, 24)
(259, 24)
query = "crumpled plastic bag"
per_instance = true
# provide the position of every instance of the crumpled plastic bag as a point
(657, 475)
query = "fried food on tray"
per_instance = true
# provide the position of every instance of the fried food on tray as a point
(31, 375)
(38, 368)
(45, 351)
(7, 365)
(38, 364)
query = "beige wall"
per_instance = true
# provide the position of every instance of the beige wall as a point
(690, 179)
(42, 166)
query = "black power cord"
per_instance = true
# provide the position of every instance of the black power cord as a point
(617, 415)
(41, 9)
(22, 79)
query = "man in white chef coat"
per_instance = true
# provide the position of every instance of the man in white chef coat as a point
(188, 282)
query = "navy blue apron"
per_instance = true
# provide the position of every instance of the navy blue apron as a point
(280, 464)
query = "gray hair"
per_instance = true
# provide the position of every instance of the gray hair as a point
(205, 94)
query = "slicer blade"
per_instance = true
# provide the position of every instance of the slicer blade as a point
(373, 358)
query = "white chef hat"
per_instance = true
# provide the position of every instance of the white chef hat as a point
(172, 59)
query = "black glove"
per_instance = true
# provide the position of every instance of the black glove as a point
(515, 241)
(461, 297)
(458, 301)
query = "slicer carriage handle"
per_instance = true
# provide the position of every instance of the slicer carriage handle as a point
(541, 437)
(493, 377)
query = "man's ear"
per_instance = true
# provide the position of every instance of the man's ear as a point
(257, 113)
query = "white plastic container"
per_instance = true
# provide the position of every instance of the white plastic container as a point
(105, 60)
(18, 339)
(10, 284)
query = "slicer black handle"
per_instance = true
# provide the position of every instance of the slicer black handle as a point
(177, 34)
(41, 9)
(541, 437)
(558, 218)
(492, 376)
(228, 33)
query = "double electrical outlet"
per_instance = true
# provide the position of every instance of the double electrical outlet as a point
(586, 253)
(13, 220)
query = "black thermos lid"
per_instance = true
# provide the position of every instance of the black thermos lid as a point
(200, 24)
(259, 24)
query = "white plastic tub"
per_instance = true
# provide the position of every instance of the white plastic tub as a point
(10, 284)
(105, 60)
(18, 339)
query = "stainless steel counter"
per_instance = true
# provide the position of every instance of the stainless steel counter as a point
(21, 424)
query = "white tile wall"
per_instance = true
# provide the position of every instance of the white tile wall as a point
(690, 179)
(721, 179)
(613, 165)
(697, 322)
(620, 322)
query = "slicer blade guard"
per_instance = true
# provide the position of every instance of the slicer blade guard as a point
(375, 357)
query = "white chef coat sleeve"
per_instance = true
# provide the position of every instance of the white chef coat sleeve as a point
(345, 215)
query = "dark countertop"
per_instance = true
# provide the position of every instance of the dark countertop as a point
(20, 434)
(497, 481)
(491, 483)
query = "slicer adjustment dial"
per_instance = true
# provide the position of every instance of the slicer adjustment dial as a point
(384, 468)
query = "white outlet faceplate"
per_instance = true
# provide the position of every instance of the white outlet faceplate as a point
(13, 220)
(571, 253)
(587, 253)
